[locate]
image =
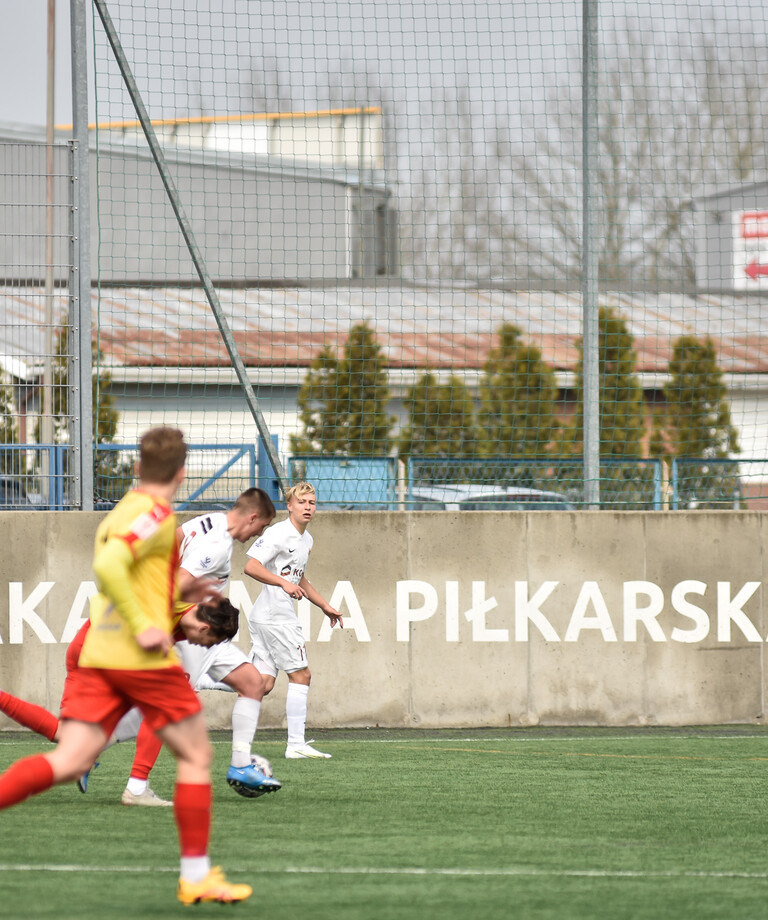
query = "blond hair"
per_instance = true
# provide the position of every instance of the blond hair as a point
(298, 489)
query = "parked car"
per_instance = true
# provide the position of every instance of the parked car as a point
(484, 498)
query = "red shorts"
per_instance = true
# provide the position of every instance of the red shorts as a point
(103, 696)
(76, 646)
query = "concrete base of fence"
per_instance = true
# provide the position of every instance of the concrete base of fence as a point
(465, 619)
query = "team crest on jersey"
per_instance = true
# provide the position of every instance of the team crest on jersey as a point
(147, 524)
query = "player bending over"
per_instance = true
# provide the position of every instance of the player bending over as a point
(206, 544)
(128, 660)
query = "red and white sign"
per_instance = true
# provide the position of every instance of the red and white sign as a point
(750, 250)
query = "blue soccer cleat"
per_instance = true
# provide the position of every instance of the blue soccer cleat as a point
(82, 783)
(251, 782)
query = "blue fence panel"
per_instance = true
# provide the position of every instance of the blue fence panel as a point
(348, 482)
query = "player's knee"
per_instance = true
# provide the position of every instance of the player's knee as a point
(247, 681)
(71, 768)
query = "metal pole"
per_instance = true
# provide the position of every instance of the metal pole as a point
(46, 415)
(186, 230)
(590, 281)
(80, 380)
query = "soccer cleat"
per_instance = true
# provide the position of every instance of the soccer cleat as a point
(147, 798)
(303, 751)
(82, 783)
(213, 888)
(251, 782)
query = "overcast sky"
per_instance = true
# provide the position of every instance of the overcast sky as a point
(496, 45)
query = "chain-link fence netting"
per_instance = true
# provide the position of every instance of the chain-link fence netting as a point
(388, 200)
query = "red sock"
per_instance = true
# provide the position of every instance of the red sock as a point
(147, 748)
(29, 715)
(24, 778)
(192, 810)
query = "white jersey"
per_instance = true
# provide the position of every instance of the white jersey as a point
(207, 547)
(283, 551)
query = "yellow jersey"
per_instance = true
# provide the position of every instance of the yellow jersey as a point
(135, 561)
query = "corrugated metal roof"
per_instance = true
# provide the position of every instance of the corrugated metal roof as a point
(416, 326)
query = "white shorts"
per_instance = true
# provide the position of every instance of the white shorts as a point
(207, 667)
(278, 647)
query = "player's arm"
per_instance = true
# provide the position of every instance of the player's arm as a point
(112, 566)
(261, 573)
(319, 601)
(196, 589)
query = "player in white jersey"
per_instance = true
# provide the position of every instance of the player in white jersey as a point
(205, 546)
(279, 560)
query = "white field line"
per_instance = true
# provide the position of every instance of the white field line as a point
(510, 872)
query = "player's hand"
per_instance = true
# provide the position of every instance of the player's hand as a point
(335, 617)
(154, 639)
(200, 590)
(292, 590)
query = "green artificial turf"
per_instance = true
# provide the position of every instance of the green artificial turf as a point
(456, 825)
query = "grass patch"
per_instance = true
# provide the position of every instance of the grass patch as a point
(534, 823)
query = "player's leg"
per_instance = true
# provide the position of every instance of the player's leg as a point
(79, 745)
(298, 748)
(30, 715)
(171, 708)
(137, 790)
(248, 775)
(284, 643)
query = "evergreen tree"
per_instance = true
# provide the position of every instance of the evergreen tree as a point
(112, 476)
(342, 402)
(10, 460)
(622, 424)
(518, 397)
(441, 420)
(699, 425)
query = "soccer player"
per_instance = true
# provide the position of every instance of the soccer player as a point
(278, 560)
(202, 625)
(206, 544)
(128, 660)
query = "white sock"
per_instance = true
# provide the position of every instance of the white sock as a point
(245, 721)
(137, 786)
(296, 712)
(195, 868)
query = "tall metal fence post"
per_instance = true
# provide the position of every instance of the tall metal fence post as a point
(194, 251)
(589, 283)
(80, 381)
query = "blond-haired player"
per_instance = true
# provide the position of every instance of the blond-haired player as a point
(279, 560)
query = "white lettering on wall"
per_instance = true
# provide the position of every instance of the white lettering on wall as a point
(528, 609)
(345, 601)
(590, 596)
(79, 611)
(405, 614)
(687, 609)
(635, 612)
(729, 610)
(476, 616)
(22, 611)
(647, 613)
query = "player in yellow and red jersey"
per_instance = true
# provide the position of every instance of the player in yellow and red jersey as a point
(128, 660)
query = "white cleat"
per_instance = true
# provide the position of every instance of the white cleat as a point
(303, 751)
(148, 797)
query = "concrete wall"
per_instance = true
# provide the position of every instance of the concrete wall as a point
(467, 619)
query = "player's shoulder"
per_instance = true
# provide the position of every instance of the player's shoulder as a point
(141, 513)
